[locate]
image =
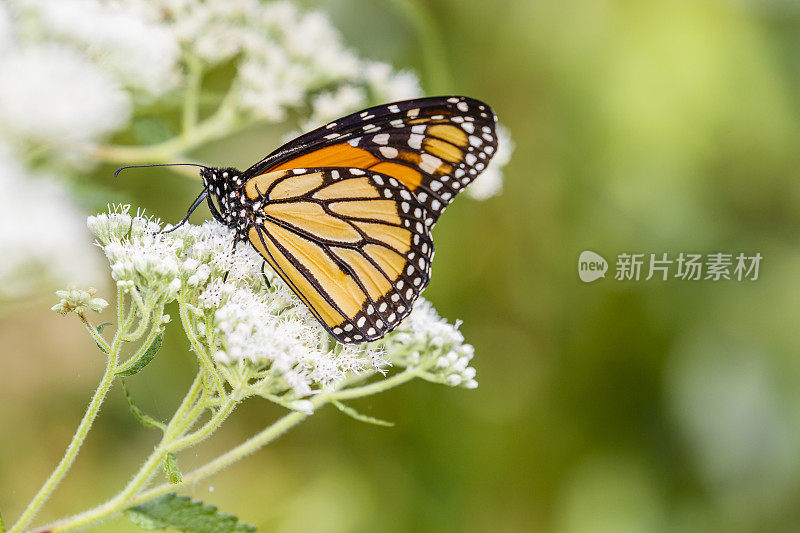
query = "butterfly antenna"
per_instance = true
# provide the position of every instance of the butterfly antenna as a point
(197, 201)
(120, 169)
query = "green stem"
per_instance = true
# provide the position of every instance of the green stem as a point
(202, 356)
(207, 429)
(144, 321)
(246, 448)
(124, 498)
(218, 125)
(74, 446)
(120, 308)
(434, 61)
(191, 100)
(95, 334)
(378, 386)
(156, 329)
(271, 433)
(129, 497)
(191, 400)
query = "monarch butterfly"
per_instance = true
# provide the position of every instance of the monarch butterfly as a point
(343, 213)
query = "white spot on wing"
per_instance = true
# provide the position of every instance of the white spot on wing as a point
(429, 163)
(388, 151)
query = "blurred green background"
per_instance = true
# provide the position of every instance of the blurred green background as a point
(645, 127)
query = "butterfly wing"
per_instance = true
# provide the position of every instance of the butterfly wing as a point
(433, 146)
(351, 243)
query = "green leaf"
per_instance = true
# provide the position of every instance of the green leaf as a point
(145, 358)
(349, 411)
(183, 514)
(100, 329)
(2, 525)
(145, 419)
(171, 468)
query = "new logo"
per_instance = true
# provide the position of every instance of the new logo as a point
(591, 266)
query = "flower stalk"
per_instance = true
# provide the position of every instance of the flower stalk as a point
(72, 450)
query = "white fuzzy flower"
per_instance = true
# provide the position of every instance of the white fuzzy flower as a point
(143, 54)
(6, 28)
(58, 96)
(391, 86)
(285, 56)
(79, 301)
(267, 329)
(425, 331)
(261, 329)
(113, 225)
(330, 105)
(424, 325)
(140, 258)
(41, 233)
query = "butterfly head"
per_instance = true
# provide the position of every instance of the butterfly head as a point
(225, 186)
(221, 181)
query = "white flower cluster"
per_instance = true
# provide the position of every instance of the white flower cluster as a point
(424, 334)
(40, 229)
(286, 59)
(272, 327)
(246, 323)
(79, 301)
(243, 322)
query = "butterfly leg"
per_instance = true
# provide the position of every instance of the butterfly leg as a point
(196, 203)
(264, 274)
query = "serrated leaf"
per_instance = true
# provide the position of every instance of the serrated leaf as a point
(100, 329)
(145, 358)
(349, 411)
(171, 468)
(143, 418)
(185, 515)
